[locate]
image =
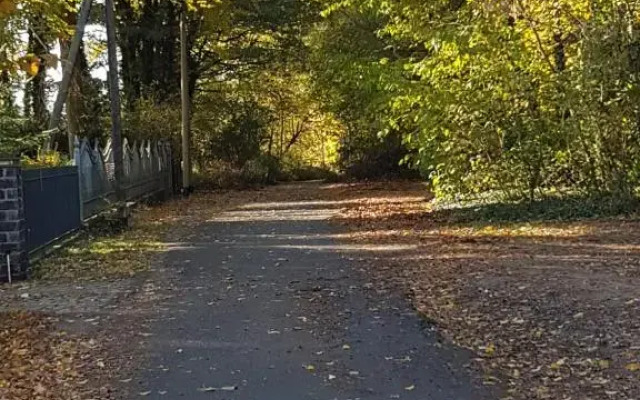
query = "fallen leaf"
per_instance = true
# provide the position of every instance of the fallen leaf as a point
(490, 349)
(633, 367)
(556, 365)
(40, 389)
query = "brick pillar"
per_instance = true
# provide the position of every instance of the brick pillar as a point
(13, 234)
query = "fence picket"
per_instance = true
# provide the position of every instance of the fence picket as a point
(147, 170)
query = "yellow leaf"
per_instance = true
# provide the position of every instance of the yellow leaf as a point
(490, 349)
(33, 67)
(558, 364)
(604, 364)
(30, 64)
(633, 367)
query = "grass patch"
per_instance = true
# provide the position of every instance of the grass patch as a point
(102, 253)
(547, 209)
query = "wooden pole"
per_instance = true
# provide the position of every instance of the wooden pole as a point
(67, 70)
(114, 97)
(186, 105)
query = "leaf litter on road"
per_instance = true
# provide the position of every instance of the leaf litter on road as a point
(38, 359)
(550, 308)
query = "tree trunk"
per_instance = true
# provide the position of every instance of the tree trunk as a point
(35, 95)
(186, 105)
(68, 67)
(114, 95)
(73, 99)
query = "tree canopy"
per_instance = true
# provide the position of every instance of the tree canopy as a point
(525, 98)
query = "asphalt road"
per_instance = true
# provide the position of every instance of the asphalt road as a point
(265, 303)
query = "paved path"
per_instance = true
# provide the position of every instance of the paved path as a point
(265, 304)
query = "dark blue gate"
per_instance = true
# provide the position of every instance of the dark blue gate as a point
(51, 204)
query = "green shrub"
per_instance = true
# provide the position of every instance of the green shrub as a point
(224, 175)
(307, 173)
(262, 170)
(49, 159)
(217, 175)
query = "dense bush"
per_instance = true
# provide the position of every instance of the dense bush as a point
(262, 171)
(18, 135)
(306, 173)
(522, 97)
(48, 159)
(219, 174)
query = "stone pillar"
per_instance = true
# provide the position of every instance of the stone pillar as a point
(13, 235)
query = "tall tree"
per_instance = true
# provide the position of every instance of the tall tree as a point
(35, 99)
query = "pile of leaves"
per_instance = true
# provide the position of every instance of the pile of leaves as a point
(38, 364)
(550, 308)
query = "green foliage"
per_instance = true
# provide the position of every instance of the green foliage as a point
(551, 208)
(17, 17)
(524, 98)
(254, 173)
(248, 80)
(150, 119)
(299, 172)
(49, 159)
(229, 129)
(521, 97)
(217, 175)
(354, 76)
(300, 131)
(258, 171)
(30, 30)
(18, 135)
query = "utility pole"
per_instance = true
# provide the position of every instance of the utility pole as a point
(114, 97)
(67, 70)
(186, 104)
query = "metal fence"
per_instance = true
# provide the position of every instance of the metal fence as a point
(51, 204)
(147, 170)
(57, 200)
